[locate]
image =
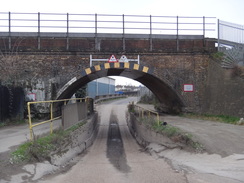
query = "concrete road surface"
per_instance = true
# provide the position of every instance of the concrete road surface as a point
(116, 157)
(16, 135)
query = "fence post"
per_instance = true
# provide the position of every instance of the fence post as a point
(158, 119)
(177, 34)
(96, 40)
(51, 113)
(218, 35)
(29, 119)
(9, 30)
(67, 33)
(39, 31)
(90, 60)
(123, 32)
(151, 33)
(204, 29)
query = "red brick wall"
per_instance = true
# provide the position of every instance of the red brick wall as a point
(108, 44)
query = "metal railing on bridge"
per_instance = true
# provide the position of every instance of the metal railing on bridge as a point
(71, 25)
(230, 34)
(104, 23)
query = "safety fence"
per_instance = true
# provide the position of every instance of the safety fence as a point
(147, 113)
(230, 33)
(72, 24)
(104, 23)
(54, 111)
(100, 98)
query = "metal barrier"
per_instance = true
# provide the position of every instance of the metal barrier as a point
(230, 34)
(104, 23)
(52, 118)
(99, 98)
(142, 112)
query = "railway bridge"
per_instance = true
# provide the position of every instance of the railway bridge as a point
(177, 68)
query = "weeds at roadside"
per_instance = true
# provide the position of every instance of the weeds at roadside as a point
(41, 147)
(218, 118)
(178, 136)
(173, 133)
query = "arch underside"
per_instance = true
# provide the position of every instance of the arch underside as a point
(166, 95)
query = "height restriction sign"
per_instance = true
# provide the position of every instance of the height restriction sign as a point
(112, 59)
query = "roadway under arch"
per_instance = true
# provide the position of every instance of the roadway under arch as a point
(142, 74)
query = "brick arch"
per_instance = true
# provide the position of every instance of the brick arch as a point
(143, 74)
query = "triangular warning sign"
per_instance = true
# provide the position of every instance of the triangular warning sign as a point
(112, 59)
(123, 59)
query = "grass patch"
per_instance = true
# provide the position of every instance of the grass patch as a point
(173, 133)
(167, 130)
(12, 122)
(218, 118)
(76, 126)
(2, 124)
(40, 149)
(178, 136)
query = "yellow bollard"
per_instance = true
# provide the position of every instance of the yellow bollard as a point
(30, 123)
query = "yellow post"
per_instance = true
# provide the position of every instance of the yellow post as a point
(158, 119)
(30, 124)
(51, 113)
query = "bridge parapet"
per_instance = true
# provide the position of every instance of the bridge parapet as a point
(106, 43)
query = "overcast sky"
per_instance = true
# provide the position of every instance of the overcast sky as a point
(227, 10)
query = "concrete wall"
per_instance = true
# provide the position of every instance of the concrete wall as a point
(80, 140)
(144, 135)
(73, 114)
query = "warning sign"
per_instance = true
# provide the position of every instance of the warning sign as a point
(112, 59)
(188, 88)
(123, 58)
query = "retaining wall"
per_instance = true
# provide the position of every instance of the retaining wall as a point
(144, 135)
(73, 113)
(80, 140)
